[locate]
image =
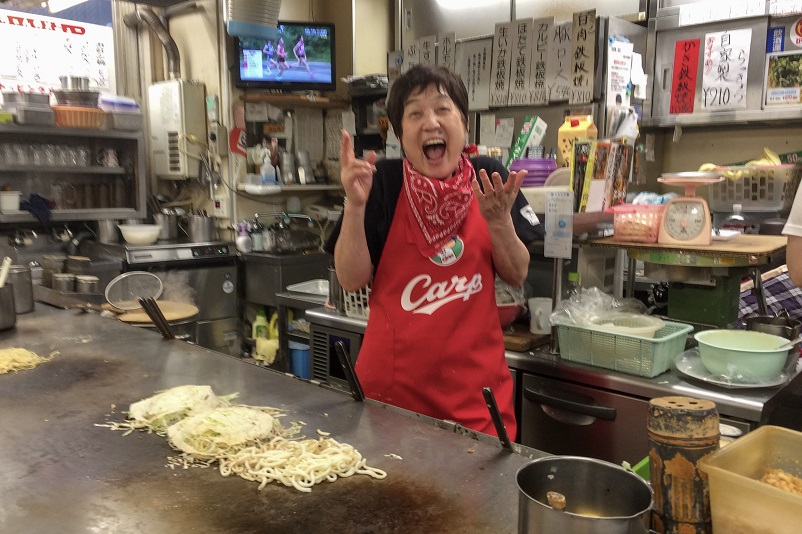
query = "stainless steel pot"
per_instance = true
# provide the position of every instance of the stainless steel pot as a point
(335, 291)
(107, 232)
(200, 228)
(600, 497)
(19, 276)
(169, 224)
(8, 316)
(74, 83)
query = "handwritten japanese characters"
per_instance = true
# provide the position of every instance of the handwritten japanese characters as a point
(726, 60)
(683, 84)
(501, 66)
(583, 58)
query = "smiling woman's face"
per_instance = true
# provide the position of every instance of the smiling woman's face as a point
(434, 132)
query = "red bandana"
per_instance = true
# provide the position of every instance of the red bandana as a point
(438, 207)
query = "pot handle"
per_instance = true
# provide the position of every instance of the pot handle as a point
(599, 412)
(183, 218)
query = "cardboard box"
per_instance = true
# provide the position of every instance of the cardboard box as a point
(532, 133)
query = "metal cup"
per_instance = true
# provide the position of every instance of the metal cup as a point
(107, 232)
(19, 276)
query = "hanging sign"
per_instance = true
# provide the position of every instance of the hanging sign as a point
(426, 46)
(501, 68)
(542, 31)
(411, 56)
(619, 69)
(558, 66)
(38, 49)
(445, 49)
(683, 83)
(583, 57)
(521, 62)
(472, 63)
(726, 59)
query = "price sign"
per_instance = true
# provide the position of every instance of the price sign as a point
(558, 66)
(472, 63)
(542, 34)
(583, 59)
(726, 60)
(521, 62)
(683, 83)
(501, 67)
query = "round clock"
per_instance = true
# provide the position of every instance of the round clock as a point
(686, 219)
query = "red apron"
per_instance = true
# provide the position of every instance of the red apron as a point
(434, 339)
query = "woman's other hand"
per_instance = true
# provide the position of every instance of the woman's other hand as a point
(356, 175)
(496, 198)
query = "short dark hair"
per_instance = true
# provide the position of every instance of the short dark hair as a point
(420, 77)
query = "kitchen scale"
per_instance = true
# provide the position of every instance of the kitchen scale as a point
(687, 219)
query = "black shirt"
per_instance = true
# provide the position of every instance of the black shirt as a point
(387, 184)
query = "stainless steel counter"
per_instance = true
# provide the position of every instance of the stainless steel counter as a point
(61, 473)
(753, 405)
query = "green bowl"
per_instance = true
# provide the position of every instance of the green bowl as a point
(742, 355)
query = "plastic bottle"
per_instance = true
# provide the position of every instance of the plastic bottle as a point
(268, 172)
(737, 221)
(243, 241)
(573, 290)
(260, 326)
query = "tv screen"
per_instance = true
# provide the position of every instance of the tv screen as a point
(301, 57)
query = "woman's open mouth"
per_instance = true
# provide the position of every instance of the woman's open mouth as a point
(434, 150)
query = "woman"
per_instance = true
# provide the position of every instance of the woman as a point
(432, 231)
(281, 54)
(300, 54)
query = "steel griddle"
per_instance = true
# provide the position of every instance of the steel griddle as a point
(61, 473)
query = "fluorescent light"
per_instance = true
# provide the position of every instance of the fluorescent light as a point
(60, 5)
(465, 4)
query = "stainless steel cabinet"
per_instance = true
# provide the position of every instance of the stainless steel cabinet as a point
(63, 165)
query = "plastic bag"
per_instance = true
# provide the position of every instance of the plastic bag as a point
(591, 306)
(507, 294)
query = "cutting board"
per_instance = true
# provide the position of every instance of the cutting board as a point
(523, 339)
(173, 311)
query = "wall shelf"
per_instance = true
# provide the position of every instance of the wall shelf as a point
(296, 101)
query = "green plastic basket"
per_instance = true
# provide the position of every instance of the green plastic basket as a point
(634, 355)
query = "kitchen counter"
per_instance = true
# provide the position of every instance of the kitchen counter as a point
(754, 405)
(61, 473)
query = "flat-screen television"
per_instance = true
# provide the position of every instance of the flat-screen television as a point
(301, 57)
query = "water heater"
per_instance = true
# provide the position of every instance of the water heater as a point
(177, 120)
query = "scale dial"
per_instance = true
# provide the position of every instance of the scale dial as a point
(685, 221)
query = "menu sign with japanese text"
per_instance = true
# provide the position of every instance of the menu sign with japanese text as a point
(501, 67)
(37, 50)
(558, 66)
(542, 35)
(583, 57)
(683, 83)
(445, 49)
(472, 63)
(726, 60)
(521, 62)
(411, 55)
(426, 45)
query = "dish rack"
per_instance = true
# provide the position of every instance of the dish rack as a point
(766, 188)
(355, 303)
(635, 355)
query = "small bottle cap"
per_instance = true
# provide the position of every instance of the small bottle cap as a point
(573, 277)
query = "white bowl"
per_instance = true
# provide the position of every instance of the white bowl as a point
(140, 234)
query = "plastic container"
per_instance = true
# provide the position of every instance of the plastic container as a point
(124, 120)
(638, 223)
(114, 103)
(260, 326)
(770, 188)
(35, 114)
(743, 354)
(739, 502)
(300, 363)
(79, 117)
(355, 303)
(630, 354)
(9, 201)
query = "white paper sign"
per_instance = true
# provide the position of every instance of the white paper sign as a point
(713, 10)
(411, 56)
(558, 66)
(487, 129)
(505, 131)
(784, 7)
(725, 63)
(395, 64)
(445, 49)
(472, 63)
(619, 67)
(542, 35)
(426, 46)
(38, 49)
(521, 61)
(559, 224)
(501, 67)
(583, 58)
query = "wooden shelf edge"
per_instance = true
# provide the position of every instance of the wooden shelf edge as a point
(308, 101)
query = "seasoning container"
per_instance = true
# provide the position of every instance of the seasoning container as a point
(52, 264)
(86, 284)
(64, 282)
(681, 431)
(19, 276)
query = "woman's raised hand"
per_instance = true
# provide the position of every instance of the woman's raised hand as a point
(497, 199)
(356, 175)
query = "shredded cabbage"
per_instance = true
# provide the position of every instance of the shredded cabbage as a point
(168, 407)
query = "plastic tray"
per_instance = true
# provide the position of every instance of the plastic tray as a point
(634, 355)
(769, 188)
(356, 303)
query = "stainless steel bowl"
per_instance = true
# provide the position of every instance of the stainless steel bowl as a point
(25, 98)
(74, 83)
(77, 98)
